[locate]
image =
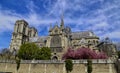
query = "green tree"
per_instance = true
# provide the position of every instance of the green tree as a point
(68, 65)
(118, 54)
(89, 66)
(43, 54)
(27, 51)
(18, 63)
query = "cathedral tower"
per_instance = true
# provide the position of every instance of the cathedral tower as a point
(21, 34)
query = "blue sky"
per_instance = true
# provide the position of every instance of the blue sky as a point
(100, 16)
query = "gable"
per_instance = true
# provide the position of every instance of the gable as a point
(55, 30)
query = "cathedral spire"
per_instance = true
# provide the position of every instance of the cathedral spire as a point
(62, 20)
(50, 27)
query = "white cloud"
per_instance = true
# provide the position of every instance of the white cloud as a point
(113, 35)
(7, 21)
(92, 20)
(8, 18)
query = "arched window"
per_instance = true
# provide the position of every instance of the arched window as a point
(54, 58)
(89, 41)
(56, 45)
(55, 41)
(94, 42)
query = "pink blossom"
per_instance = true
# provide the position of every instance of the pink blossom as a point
(83, 53)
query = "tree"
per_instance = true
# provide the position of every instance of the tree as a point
(118, 54)
(83, 53)
(68, 65)
(89, 66)
(70, 54)
(27, 51)
(5, 53)
(18, 63)
(101, 55)
(43, 54)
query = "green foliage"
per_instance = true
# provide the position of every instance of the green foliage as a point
(68, 65)
(18, 63)
(89, 66)
(27, 51)
(43, 54)
(118, 54)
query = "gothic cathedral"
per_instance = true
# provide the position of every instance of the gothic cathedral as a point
(59, 39)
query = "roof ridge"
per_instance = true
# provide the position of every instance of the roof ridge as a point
(80, 31)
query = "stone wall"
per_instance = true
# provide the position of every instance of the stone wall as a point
(51, 66)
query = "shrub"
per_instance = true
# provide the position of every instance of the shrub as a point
(68, 65)
(89, 66)
(18, 63)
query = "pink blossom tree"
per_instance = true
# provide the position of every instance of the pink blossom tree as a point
(69, 54)
(102, 55)
(83, 53)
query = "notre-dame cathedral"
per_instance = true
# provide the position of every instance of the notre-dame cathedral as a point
(59, 39)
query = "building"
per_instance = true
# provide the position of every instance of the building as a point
(59, 39)
(21, 34)
(108, 47)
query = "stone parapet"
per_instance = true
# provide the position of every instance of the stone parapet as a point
(56, 66)
(83, 61)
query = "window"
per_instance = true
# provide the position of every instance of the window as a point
(56, 31)
(89, 41)
(55, 41)
(18, 28)
(54, 58)
(23, 30)
(94, 42)
(97, 42)
(41, 45)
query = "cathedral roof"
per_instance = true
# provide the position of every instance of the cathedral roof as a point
(84, 34)
(41, 39)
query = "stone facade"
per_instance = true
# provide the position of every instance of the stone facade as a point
(22, 33)
(108, 47)
(59, 39)
(52, 66)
